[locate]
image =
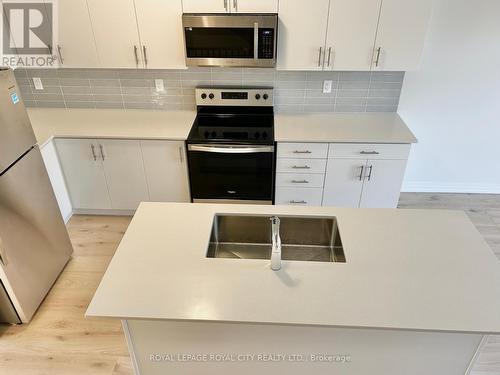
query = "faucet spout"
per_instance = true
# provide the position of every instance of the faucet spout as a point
(276, 244)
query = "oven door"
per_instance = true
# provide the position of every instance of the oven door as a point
(230, 40)
(231, 172)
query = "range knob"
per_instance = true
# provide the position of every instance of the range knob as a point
(257, 135)
(206, 134)
(203, 96)
(211, 96)
(214, 134)
(264, 135)
(265, 96)
(257, 96)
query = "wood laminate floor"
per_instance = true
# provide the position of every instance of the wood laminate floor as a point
(60, 340)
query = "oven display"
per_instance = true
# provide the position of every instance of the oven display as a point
(235, 95)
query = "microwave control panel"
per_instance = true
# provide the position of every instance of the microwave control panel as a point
(266, 43)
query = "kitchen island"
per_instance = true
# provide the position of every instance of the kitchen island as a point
(417, 293)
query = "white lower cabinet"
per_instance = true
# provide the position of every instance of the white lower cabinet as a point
(382, 185)
(111, 174)
(84, 173)
(166, 171)
(340, 174)
(124, 171)
(344, 182)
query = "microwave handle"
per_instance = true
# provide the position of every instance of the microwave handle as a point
(256, 41)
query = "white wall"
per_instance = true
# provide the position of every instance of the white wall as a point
(453, 103)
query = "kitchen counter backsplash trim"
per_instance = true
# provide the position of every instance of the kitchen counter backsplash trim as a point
(135, 89)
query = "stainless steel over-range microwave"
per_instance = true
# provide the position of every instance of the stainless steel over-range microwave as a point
(247, 40)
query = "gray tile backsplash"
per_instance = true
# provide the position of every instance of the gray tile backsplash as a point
(135, 89)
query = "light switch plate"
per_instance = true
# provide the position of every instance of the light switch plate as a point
(37, 82)
(327, 87)
(160, 85)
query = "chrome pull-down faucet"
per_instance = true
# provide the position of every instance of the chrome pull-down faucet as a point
(276, 247)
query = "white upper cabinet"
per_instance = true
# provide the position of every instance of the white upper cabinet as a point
(401, 34)
(116, 34)
(76, 46)
(230, 6)
(161, 33)
(351, 34)
(302, 34)
(254, 6)
(205, 6)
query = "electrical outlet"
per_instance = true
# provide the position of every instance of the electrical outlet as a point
(37, 82)
(327, 87)
(160, 85)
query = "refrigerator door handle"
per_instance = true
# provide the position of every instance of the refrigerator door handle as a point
(3, 257)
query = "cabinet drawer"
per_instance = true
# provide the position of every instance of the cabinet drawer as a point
(303, 150)
(301, 165)
(299, 196)
(369, 151)
(300, 180)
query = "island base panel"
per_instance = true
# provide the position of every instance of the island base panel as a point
(170, 347)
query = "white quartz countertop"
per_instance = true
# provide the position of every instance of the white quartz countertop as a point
(342, 127)
(406, 269)
(110, 123)
(175, 125)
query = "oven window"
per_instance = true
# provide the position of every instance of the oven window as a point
(217, 42)
(231, 176)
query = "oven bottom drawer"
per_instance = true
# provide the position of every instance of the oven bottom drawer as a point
(299, 196)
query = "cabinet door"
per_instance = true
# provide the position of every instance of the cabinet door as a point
(161, 33)
(344, 182)
(76, 46)
(383, 180)
(115, 29)
(302, 34)
(205, 6)
(166, 171)
(352, 28)
(124, 172)
(254, 6)
(401, 34)
(84, 173)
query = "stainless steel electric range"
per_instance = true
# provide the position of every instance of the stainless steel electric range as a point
(231, 149)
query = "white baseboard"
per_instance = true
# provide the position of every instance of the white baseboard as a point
(440, 187)
(104, 212)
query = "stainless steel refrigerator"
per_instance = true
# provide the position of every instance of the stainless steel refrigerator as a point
(34, 242)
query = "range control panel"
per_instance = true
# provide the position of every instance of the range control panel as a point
(262, 97)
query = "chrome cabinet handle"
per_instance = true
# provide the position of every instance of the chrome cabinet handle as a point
(361, 174)
(102, 152)
(300, 182)
(370, 174)
(301, 167)
(298, 202)
(145, 56)
(181, 156)
(59, 52)
(3, 257)
(302, 152)
(370, 153)
(50, 49)
(225, 4)
(92, 147)
(377, 60)
(235, 5)
(329, 55)
(319, 57)
(136, 56)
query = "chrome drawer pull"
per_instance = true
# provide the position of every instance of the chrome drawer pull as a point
(298, 202)
(302, 152)
(370, 153)
(304, 167)
(361, 174)
(300, 182)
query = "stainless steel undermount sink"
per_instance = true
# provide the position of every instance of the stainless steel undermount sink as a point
(313, 239)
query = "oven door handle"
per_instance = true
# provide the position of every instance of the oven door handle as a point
(231, 149)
